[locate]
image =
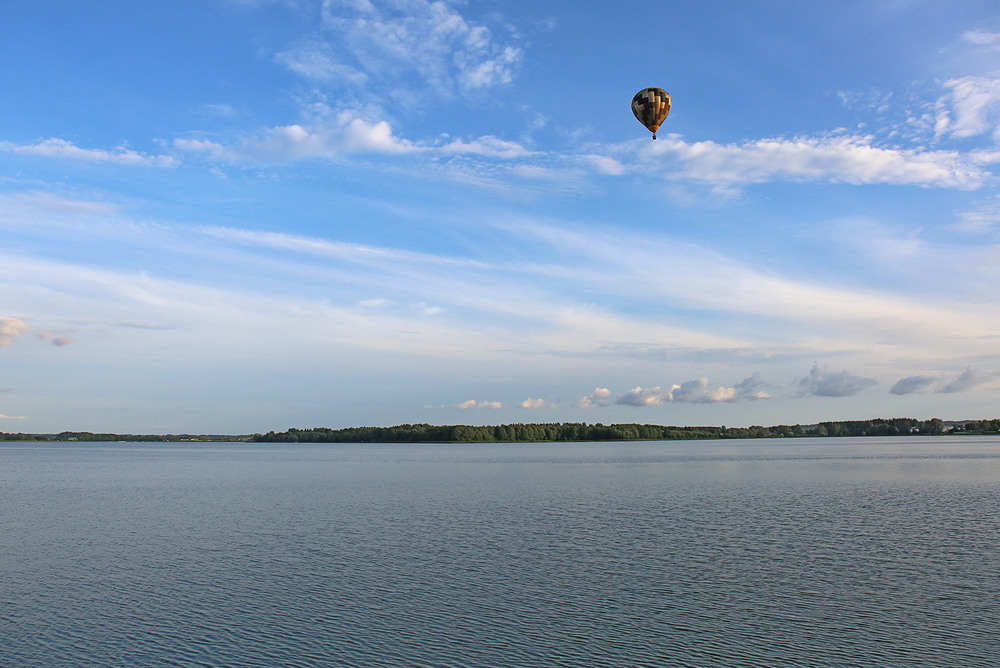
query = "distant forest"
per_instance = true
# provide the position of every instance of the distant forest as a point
(532, 433)
(573, 431)
(132, 438)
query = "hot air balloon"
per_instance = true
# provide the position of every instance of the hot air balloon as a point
(651, 106)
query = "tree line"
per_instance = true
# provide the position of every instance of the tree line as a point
(577, 431)
(88, 436)
(552, 431)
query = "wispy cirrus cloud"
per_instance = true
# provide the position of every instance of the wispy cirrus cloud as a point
(982, 218)
(971, 107)
(30, 204)
(837, 158)
(65, 150)
(338, 134)
(983, 38)
(345, 134)
(316, 60)
(571, 285)
(394, 41)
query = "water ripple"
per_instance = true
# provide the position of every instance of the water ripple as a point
(473, 557)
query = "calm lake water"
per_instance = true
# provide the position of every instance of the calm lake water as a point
(833, 552)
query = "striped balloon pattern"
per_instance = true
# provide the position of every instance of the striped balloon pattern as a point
(651, 106)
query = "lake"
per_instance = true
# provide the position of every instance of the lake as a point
(782, 552)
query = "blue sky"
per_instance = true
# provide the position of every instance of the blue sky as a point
(228, 216)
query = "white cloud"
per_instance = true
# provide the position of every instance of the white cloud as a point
(752, 388)
(838, 158)
(40, 202)
(536, 403)
(974, 104)
(57, 340)
(800, 314)
(472, 404)
(985, 38)
(12, 417)
(822, 382)
(346, 134)
(11, 329)
(983, 218)
(62, 149)
(315, 60)
(314, 289)
(603, 164)
(379, 256)
(395, 40)
(488, 146)
(643, 396)
(969, 379)
(912, 384)
(697, 391)
(601, 396)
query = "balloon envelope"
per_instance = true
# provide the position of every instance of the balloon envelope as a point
(651, 106)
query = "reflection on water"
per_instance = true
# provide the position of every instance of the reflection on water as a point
(789, 552)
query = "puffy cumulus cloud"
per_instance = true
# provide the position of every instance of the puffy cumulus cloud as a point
(396, 40)
(601, 396)
(822, 382)
(912, 384)
(971, 107)
(11, 329)
(56, 340)
(969, 379)
(752, 388)
(65, 150)
(536, 403)
(643, 396)
(839, 158)
(472, 404)
(697, 391)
